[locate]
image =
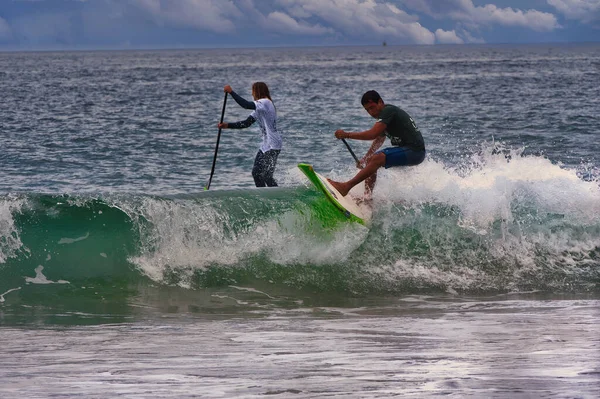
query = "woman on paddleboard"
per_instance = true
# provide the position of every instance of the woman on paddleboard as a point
(266, 115)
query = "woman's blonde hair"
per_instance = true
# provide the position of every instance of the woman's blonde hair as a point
(260, 90)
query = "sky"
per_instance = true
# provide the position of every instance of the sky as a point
(130, 24)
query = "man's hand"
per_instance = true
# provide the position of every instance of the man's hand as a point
(223, 125)
(227, 89)
(341, 134)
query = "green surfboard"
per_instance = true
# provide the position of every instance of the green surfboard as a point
(346, 205)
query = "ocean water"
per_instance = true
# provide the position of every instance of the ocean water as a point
(478, 276)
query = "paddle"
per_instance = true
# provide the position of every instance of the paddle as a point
(212, 172)
(352, 153)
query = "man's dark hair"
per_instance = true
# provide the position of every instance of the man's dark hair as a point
(371, 95)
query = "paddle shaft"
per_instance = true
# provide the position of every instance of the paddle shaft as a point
(351, 152)
(212, 171)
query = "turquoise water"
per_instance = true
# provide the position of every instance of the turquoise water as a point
(478, 275)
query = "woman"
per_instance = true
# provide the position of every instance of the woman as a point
(266, 115)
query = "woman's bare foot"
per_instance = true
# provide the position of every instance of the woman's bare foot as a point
(341, 187)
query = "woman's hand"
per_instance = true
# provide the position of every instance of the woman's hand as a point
(227, 89)
(223, 125)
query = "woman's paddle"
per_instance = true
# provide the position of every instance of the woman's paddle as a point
(212, 172)
(352, 153)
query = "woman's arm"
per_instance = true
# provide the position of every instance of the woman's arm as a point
(242, 102)
(238, 125)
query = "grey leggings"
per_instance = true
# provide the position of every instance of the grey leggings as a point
(264, 166)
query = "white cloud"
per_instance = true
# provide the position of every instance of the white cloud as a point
(586, 11)
(221, 16)
(533, 19)
(419, 5)
(210, 15)
(298, 12)
(447, 37)
(477, 16)
(366, 19)
(469, 37)
(283, 23)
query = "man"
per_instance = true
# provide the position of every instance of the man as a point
(407, 148)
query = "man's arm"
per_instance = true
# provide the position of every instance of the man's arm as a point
(371, 134)
(375, 145)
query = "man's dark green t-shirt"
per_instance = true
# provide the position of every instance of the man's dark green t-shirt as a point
(401, 128)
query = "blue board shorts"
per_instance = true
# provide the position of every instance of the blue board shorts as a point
(402, 156)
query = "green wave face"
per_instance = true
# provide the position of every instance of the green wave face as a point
(115, 255)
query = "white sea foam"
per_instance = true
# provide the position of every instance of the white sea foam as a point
(7, 292)
(485, 189)
(194, 236)
(66, 240)
(40, 278)
(10, 241)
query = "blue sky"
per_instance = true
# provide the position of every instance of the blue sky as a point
(123, 24)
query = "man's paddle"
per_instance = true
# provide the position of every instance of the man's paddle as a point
(212, 172)
(352, 153)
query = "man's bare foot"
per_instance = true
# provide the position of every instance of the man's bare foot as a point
(341, 187)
